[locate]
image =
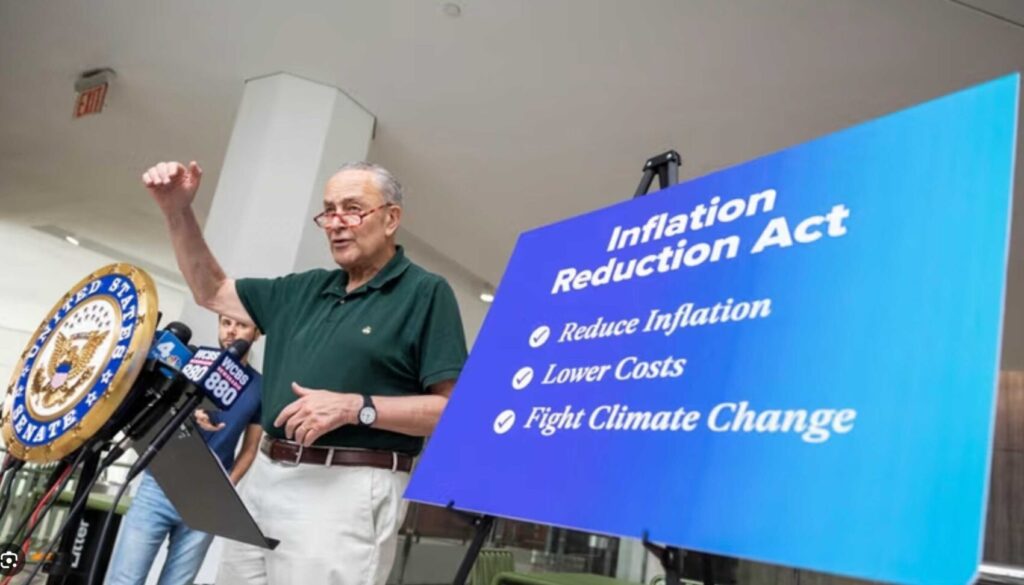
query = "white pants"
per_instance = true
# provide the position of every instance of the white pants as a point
(337, 525)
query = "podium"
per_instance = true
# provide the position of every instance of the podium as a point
(194, 481)
(192, 478)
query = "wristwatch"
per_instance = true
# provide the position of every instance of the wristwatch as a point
(368, 413)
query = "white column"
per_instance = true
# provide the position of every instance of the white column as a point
(290, 135)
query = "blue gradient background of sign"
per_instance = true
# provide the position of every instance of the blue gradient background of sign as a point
(899, 319)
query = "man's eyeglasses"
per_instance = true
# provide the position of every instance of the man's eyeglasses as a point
(347, 219)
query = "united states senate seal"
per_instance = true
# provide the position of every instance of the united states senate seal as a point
(80, 363)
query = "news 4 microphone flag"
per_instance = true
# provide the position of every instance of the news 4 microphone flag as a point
(170, 351)
(792, 360)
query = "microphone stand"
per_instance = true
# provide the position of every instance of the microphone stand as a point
(164, 435)
(137, 427)
(194, 396)
(135, 424)
(59, 570)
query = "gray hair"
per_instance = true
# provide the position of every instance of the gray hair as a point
(389, 186)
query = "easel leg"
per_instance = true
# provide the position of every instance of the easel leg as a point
(707, 569)
(482, 526)
(671, 559)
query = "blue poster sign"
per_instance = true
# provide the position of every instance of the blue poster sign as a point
(793, 360)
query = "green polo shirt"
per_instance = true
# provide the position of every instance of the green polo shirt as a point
(394, 336)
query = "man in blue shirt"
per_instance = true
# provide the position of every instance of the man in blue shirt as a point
(152, 517)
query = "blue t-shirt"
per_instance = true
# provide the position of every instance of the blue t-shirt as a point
(244, 412)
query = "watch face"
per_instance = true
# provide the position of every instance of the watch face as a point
(367, 415)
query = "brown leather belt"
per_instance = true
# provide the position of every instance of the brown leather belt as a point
(291, 453)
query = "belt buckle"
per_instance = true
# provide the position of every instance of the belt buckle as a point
(394, 461)
(298, 458)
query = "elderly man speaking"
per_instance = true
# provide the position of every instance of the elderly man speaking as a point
(360, 362)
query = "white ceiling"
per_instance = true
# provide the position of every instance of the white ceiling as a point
(515, 114)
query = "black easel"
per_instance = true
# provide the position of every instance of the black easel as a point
(665, 166)
(481, 528)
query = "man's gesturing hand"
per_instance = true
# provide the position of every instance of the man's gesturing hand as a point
(204, 422)
(316, 413)
(172, 185)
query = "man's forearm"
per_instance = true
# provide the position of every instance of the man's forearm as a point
(246, 455)
(318, 412)
(195, 260)
(242, 465)
(409, 415)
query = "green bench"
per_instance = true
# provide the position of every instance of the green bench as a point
(511, 578)
(497, 567)
(101, 502)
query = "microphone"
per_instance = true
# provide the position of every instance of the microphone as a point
(170, 348)
(180, 330)
(220, 375)
(154, 389)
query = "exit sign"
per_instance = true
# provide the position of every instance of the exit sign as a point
(90, 101)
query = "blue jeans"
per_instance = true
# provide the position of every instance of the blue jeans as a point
(150, 520)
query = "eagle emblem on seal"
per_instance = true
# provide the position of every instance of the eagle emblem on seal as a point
(68, 367)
